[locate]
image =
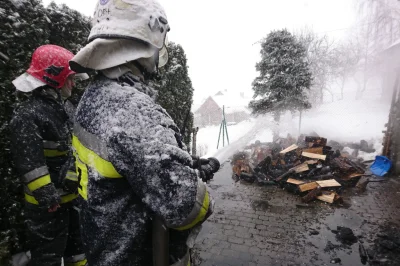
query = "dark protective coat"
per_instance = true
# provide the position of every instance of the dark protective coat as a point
(41, 146)
(132, 167)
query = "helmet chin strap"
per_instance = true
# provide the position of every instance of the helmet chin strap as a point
(146, 74)
(141, 68)
(141, 65)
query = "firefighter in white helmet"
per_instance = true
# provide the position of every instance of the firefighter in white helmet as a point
(132, 165)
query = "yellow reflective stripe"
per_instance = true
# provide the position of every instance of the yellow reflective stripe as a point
(103, 167)
(31, 199)
(68, 198)
(200, 217)
(71, 175)
(54, 153)
(82, 170)
(39, 182)
(64, 199)
(79, 263)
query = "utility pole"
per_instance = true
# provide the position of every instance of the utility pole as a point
(195, 130)
(223, 128)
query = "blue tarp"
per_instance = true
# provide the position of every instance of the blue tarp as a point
(381, 166)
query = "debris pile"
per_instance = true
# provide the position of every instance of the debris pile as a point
(307, 166)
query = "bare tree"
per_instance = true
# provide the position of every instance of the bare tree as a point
(380, 28)
(383, 18)
(322, 61)
(348, 56)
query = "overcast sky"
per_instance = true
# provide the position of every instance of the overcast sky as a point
(219, 36)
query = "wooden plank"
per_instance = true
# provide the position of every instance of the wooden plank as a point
(327, 197)
(311, 161)
(313, 155)
(301, 168)
(355, 175)
(329, 183)
(295, 181)
(338, 198)
(312, 195)
(316, 141)
(288, 149)
(308, 186)
(318, 150)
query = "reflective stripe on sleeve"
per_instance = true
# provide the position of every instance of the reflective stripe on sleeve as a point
(68, 198)
(54, 148)
(71, 175)
(54, 153)
(77, 260)
(199, 210)
(79, 263)
(31, 199)
(64, 199)
(38, 172)
(52, 145)
(39, 182)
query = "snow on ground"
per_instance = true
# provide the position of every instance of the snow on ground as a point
(343, 121)
(240, 135)
(261, 127)
(207, 138)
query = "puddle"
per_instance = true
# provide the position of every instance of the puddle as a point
(260, 205)
(325, 242)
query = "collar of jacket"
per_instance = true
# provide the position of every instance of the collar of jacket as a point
(132, 80)
(118, 71)
(49, 93)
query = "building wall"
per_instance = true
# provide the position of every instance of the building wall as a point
(210, 113)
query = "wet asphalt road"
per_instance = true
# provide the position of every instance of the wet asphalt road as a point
(255, 225)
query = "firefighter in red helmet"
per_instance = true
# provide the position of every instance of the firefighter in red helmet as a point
(41, 141)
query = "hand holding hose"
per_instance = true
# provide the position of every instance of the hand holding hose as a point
(206, 167)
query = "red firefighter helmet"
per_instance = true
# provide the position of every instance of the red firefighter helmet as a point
(50, 64)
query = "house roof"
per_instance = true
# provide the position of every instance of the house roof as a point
(233, 102)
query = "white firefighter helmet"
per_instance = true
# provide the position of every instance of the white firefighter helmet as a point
(124, 31)
(143, 20)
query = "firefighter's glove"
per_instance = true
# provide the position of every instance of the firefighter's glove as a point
(198, 162)
(208, 167)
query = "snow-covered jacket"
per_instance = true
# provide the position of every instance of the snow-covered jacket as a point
(132, 168)
(41, 142)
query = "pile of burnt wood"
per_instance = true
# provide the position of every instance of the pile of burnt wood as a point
(307, 166)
